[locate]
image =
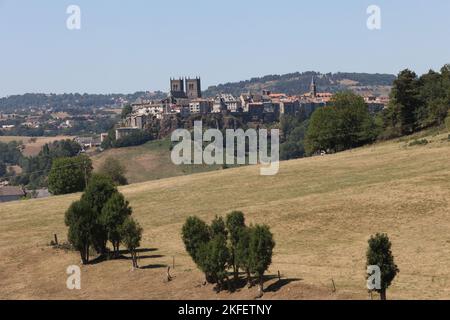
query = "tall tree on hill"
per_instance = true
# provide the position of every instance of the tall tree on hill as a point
(195, 233)
(261, 246)
(99, 191)
(242, 253)
(81, 220)
(379, 254)
(213, 257)
(434, 90)
(131, 235)
(235, 222)
(113, 215)
(405, 103)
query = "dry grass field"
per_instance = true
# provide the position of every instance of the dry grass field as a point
(32, 148)
(322, 211)
(150, 161)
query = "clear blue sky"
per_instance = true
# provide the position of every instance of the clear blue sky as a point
(126, 46)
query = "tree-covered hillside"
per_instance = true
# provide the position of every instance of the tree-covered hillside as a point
(295, 83)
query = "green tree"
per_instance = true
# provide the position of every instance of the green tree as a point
(261, 246)
(405, 102)
(195, 233)
(379, 254)
(346, 123)
(242, 253)
(131, 235)
(98, 192)
(235, 222)
(322, 131)
(113, 215)
(218, 227)
(213, 257)
(69, 175)
(114, 169)
(126, 111)
(294, 146)
(81, 220)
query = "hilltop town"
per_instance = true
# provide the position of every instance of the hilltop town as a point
(185, 99)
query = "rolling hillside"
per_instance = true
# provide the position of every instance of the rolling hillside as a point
(296, 83)
(150, 161)
(322, 212)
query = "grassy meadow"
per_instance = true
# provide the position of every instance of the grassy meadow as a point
(150, 161)
(321, 210)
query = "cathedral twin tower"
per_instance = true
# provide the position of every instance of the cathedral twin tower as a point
(193, 88)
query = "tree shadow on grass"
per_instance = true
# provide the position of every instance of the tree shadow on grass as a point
(154, 266)
(274, 287)
(122, 256)
(242, 283)
(143, 250)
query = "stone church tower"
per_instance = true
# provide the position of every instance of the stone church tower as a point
(313, 88)
(193, 88)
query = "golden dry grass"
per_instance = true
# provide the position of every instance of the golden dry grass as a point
(321, 210)
(150, 161)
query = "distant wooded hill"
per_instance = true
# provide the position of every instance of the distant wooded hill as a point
(62, 102)
(297, 83)
(292, 83)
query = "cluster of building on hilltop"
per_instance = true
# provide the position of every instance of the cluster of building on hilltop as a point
(185, 99)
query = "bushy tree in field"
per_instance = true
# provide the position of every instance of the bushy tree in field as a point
(235, 223)
(261, 246)
(113, 215)
(195, 233)
(81, 220)
(379, 254)
(98, 192)
(218, 228)
(131, 235)
(115, 170)
(69, 175)
(346, 123)
(213, 257)
(242, 253)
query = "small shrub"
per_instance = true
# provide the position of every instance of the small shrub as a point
(422, 142)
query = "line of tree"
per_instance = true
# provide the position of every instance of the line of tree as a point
(102, 215)
(229, 244)
(417, 103)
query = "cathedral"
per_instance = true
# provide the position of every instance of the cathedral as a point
(186, 89)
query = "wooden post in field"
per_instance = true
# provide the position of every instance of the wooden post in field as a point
(334, 285)
(56, 239)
